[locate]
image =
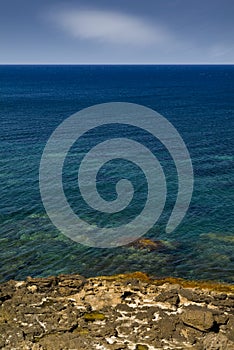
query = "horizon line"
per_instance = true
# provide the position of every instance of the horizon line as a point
(114, 64)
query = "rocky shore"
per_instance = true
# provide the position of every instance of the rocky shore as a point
(131, 311)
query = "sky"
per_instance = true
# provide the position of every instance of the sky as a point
(117, 32)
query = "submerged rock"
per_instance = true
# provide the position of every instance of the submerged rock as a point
(221, 237)
(130, 311)
(152, 245)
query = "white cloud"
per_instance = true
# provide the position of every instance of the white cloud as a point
(109, 27)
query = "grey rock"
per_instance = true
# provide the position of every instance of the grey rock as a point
(217, 342)
(113, 313)
(198, 317)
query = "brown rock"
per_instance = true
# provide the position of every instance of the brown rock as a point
(199, 318)
(113, 313)
(148, 244)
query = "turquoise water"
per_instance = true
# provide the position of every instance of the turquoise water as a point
(197, 100)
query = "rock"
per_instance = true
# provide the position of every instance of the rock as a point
(224, 238)
(129, 311)
(150, 245)
(166, 326)
(199, 318)
(170, 297)
(7, 290)
(194, 296)
(61, 285)
(229, 330)
(32, 288)
(220, 318)
(217, 342)
(68, 285)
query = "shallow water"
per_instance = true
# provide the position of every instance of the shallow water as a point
(197, 100)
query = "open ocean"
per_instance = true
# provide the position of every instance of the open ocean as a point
(197, 100)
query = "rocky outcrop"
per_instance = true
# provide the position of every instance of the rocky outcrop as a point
(129, 311)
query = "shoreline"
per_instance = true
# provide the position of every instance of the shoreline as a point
(128, 311)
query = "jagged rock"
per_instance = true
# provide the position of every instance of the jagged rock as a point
(126, 312)
(168, 296)
(194, 296)
(63, 285)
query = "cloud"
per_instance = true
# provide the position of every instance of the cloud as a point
(220, 50)
(109, 27)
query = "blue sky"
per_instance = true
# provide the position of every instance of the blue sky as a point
(124, 31)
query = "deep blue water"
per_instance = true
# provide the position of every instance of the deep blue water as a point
(197, 100)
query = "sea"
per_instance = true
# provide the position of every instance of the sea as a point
(198, 100)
